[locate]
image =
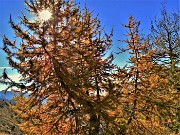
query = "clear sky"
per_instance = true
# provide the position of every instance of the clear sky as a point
(112, 14)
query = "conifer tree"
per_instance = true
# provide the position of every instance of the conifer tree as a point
(72, 86)
(63, 68)
(146, 101)
(165, 38)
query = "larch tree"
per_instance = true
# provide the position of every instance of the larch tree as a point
(165, 38)
(73, 87)
(64, 70)
(146, 102)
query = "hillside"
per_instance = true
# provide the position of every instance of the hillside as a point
(8, 120)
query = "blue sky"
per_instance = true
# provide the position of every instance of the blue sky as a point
(111, 13)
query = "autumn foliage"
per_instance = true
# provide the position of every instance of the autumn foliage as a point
(73, 85)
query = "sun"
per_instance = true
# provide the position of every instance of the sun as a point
(44, 15)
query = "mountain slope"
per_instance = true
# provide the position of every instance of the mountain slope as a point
(8, 120)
